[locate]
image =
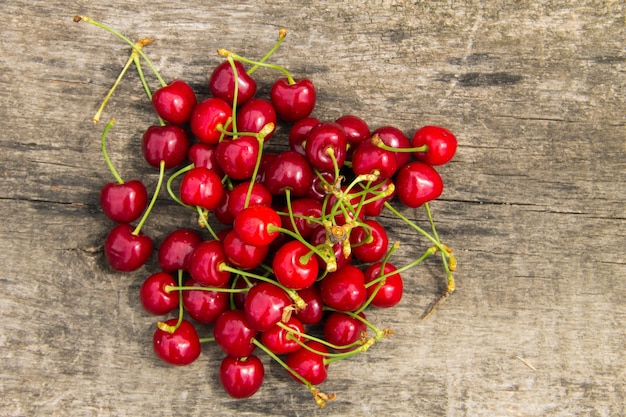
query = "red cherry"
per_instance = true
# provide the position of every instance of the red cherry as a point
(124, 203)
(313, 312)
(369, 242)
(237, 157)
(254, 115)
(203, 155)
(174, 102)
(126, 251)
(294, 266)
(201, 187)
(299, 132)
(310, 365)
(390, 292)
(340, 329)
(276, 340)
(441, 145)
(176, 248)
(233, 334)
(204, 263)
(241, 377)
(222, 83)
(368, 158)
(207, 117)
(251, 224)
(318, 186)
(288, 170)
(293, 101)
(394, 137)
(221, 212)
(304, 209)
(179, 348)
(165, 143)
(357, 129)
(344, 289)
(153, 297)
(322, 139)
(204, 306)
(264, 305)
(242, 255)
(260, 196)
(376, 204)
(418, 183)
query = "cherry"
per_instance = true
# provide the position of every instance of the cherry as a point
(242, 255)
(344, 289)
(237, 157)
(181, 347)
(293, 99)
(295, 266)
(264, 305)
(299, 132)
(259, 196)
(124, 203)
(255, 114)
(308, 364)
(388, 291)
(341, 329)
(323, 140)
(276, 339)
(126, 250)
(418, 183)
(174, 102)
(233, 334)
(165, 143)
(222, 83)
(241, 377)
(221, 212)
(318, 189)
(395, 138)
(318, 237)
(203, 155)
(204, 306)
(201, 187)
(441, 145)
(204, 264)
(252, 225)
(369, 242)
(289, 170)
(208, 117)
(153, 296)
(304, 210)
(357, 129)
(313, 312)
(377, 197)
(176, 248)
(368, 158)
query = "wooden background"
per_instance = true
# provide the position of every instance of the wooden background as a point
(533, 205)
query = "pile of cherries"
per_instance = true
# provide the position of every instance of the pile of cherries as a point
(290, 249)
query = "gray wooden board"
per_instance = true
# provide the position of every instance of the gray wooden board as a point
(533, 205)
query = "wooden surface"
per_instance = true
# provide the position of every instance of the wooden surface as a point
(533, 205)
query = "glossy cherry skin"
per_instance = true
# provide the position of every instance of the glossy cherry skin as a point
(240, 254)
(394, 137)
(252, 223)
(357, 130)
(378, 197)
(233, 334)
(340, 329)
(368, 158)
(201, 187)
(203, 155)
(221, 212)
(370, 242)
(153, 296)
(318, 185)
(418, 183)
(176, 248)
(264, 305)
(309, 365)
(165, 143)
(241, 377)
(390, 292)
(124, 203)
(254, 115)
(313, 312)
(174, 102)
(441, 145)
(276, 340)
(126, 251)
(344, 289)
(222, 83)
(260, 196)
(294, 266)
(288, 170)
(204, 263)
(293, 101)
(179, 348)
(204, 306)
(299, 132)
(237, 157)
(207, 117)
(321, 139)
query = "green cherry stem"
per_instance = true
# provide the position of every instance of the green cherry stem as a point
(171, 179)
(144, 83)
(376, 140)
(282, 33)
(235, 94)
(181, 310)
(203, 220)
(415, 227)
(105, 153)
(153, 201)
(227, 53)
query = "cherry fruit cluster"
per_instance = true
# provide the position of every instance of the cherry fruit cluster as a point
(302, 250)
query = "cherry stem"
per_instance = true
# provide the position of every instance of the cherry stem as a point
(203, 220)
(172, 178)
(144, 83)
(277, 229)
(154, 199)
(415, 227)
(292, 333)
(282, 33)
(106, 155)
(235, 93)
(181, 310)
(169, 288)
(89, 20)
(226, 53)
(207, 339)
(376, 140)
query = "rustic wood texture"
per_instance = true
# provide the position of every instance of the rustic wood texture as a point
(533, 205)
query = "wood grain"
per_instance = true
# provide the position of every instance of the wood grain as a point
(533, 206)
